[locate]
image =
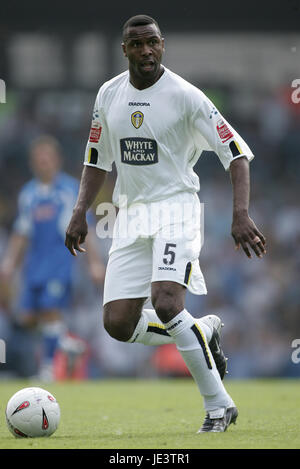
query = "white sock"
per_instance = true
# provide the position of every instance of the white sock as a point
(150, 330)
(192, 344)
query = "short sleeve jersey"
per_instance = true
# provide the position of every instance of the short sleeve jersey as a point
(155, 137)
(44, 212)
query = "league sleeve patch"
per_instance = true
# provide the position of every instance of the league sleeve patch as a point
(223, 130)
(95, 132)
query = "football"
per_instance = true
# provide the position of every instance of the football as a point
(32, 412)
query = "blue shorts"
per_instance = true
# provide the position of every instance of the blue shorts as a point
(54, 294)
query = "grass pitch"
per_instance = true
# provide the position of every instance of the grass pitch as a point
(161, 414)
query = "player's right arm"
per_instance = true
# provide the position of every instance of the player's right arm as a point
(92, 180)
(97, 162)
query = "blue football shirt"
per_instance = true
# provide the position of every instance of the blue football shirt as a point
(44, 214)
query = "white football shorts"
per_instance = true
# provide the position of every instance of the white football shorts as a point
(161, 242)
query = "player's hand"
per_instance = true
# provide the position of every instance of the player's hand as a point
(76, 233)
(246, 234)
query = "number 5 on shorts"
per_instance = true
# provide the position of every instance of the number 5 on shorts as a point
(169, 252)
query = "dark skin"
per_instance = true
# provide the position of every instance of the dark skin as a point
(243, 228)
(144, 47)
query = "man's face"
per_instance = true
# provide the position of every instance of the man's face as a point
(45, 162)
(143, 46)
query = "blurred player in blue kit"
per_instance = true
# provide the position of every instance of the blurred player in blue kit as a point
(154, 125)
(44, 207)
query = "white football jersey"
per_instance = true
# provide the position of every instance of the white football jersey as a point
(156, 135)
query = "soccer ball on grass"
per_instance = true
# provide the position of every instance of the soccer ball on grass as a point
(32, 412)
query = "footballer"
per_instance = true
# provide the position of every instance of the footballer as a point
(154, 125)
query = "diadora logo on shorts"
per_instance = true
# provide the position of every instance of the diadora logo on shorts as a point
(167, 268)
(138, 151)
(174, 325)
(137, 118)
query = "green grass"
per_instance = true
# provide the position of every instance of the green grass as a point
(162, 414)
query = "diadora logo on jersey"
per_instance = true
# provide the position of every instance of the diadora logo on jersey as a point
(224, 131)
(138, 151)
(134, 103)
(137, 118)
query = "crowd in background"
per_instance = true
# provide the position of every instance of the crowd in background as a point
(257, 299)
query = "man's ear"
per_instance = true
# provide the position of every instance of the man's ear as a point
(124, 49)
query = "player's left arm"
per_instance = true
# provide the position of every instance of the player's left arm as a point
(211, 131)
(243, 230)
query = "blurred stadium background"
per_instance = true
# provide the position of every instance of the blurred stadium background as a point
(55, 55)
